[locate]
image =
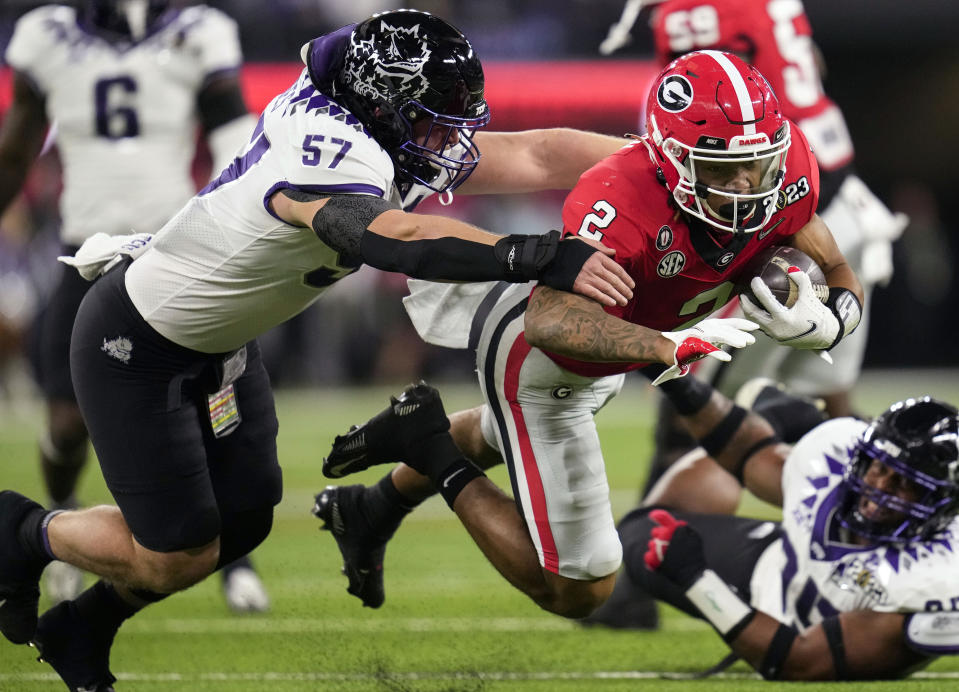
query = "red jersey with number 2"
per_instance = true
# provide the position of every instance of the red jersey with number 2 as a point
(682, 275)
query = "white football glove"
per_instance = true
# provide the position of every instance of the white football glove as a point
(101, 252)
(704, 340)
(808, 324)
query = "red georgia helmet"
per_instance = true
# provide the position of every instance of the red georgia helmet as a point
(711, 109)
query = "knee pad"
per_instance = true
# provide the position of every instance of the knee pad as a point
(242, 532)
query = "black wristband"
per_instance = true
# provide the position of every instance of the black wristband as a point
(772, 666)
(741, 464)
(571, 255)
(844, 304)
(523, 257)
(719, 437)
(738, 627)
(833, 632)
(451, 481)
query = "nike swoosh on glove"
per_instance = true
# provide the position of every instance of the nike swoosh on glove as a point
(704, 340)
(808, 324)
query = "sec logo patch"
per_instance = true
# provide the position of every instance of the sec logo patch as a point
(671, 264)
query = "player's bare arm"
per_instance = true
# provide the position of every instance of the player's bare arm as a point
(873, 647)
(816, 240)
(424, 246)
(515, 162)
(572, 326)
(21, 137)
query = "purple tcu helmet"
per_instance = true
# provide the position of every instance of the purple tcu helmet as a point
(129, 20)
(414, 80)
(919, 440)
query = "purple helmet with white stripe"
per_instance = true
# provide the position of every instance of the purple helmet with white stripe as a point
(902, 481)
(707, 112)
(416, 83)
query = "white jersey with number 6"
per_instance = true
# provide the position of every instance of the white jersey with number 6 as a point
(125, 114)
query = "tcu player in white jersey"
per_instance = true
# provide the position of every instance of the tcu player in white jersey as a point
(125, 85)
(164, 356)
(857, 581)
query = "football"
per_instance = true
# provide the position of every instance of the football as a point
(772, 266)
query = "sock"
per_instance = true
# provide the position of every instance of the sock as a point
(383, 507)
(32, 534)
(103, 606)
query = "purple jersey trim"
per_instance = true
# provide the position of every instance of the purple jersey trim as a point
(240, 165)
(343, 189)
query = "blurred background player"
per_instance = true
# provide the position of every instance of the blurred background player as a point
(123, 86)
(775, 36)
(851, 584)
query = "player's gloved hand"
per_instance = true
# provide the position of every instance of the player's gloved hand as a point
(675, 549)
(704, 340)
(808, 324)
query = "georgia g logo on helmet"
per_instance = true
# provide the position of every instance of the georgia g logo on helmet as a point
(675, 93)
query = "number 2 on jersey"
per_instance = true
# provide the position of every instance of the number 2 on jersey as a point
(602, 215)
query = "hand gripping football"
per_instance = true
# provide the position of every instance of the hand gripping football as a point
(772, 266)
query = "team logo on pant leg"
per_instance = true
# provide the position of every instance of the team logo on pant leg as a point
(120, 348)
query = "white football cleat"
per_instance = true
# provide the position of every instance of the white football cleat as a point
(62, 582)
(244, 591)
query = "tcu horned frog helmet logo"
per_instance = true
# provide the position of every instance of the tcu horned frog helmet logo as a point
(398, 67)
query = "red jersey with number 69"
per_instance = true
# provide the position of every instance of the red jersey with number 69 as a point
(776, 38)
(682, 274)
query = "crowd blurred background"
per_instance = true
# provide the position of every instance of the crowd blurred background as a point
(893, 67)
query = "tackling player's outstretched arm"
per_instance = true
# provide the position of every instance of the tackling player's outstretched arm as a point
(21, 137)
(375, 232)
(856, 645)
(547, 159)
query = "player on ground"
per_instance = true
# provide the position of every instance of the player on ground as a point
(686, 207)
(775, 36)
(856, 582)
(384, 111)
(125, 84)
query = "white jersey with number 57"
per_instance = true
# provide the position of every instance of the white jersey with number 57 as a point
(226, 268)
(812, 573)
(125, 114)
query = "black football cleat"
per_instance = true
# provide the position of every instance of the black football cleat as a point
(362, 547)
(77, 649)
(416, 414)
(19, 572)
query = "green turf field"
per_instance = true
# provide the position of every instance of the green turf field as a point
(450, 622)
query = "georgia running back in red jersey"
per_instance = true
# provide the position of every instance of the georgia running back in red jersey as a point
(774, 36)
(683, 272)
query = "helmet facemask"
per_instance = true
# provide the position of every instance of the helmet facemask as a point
(736, 211)
(928, 460)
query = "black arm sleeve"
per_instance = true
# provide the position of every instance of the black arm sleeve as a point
(343, 220)
(514, 258)
(220, 102)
